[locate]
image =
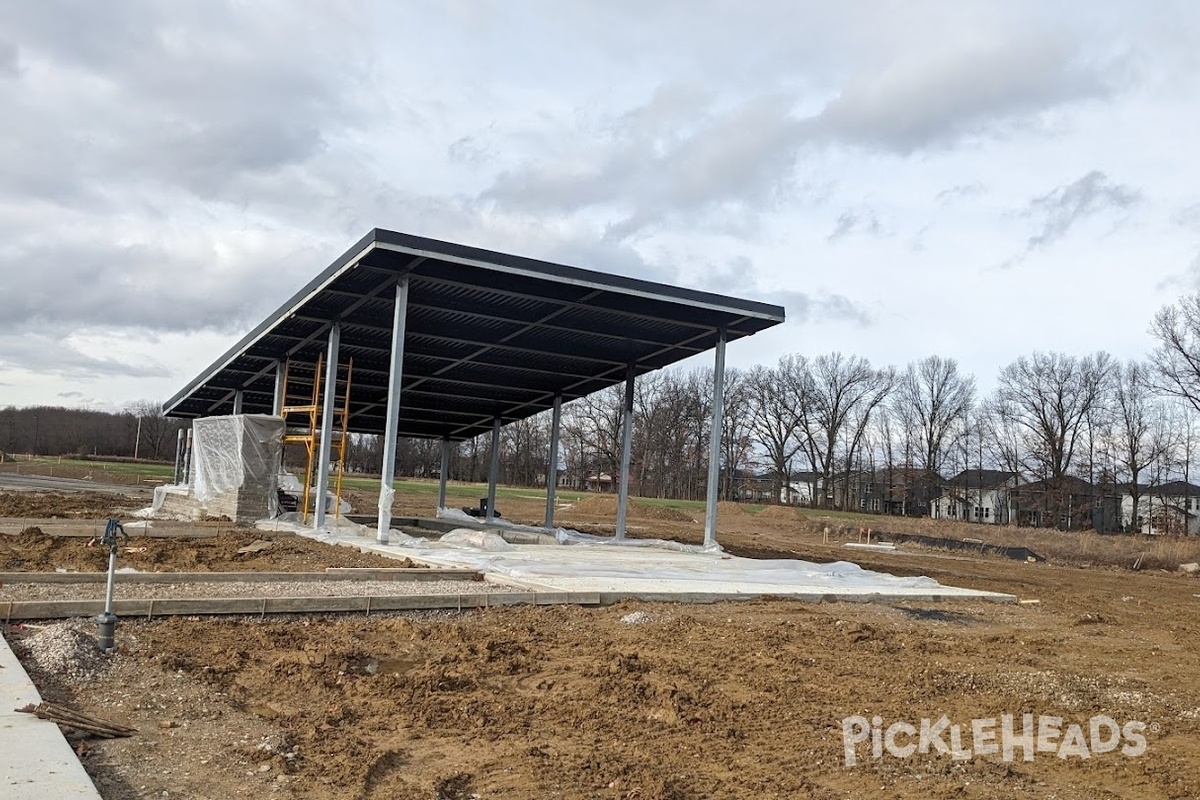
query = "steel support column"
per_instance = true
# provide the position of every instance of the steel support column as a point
(443, 473)
(494, 471)
(327, 414)
(178, 456)
(279, 400)
(238, 397)
(714, 443)
(387, 476)
(552, 463)
(626, 449)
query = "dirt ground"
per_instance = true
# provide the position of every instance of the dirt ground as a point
(34, 551)
(655, 700)
(65, 505)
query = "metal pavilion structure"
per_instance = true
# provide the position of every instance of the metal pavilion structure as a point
(450, 342)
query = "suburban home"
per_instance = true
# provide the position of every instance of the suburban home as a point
(800, 489)
(1169, 508)
(978, 495)
(1067, 503)
(900, 491)
(753, 487)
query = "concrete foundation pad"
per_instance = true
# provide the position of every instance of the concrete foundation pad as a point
(36, 762)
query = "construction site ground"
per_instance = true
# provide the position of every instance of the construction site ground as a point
(641, 700)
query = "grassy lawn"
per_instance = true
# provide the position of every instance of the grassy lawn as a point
(470, 492)
(46, 464)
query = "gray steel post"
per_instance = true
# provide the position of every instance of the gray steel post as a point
(238, 397)
(178, 455)
(279, 399)
(552, 463)
(494, 472)
(714, 442)
(443, 473)
(327, 414)
(187, 458)
(626, 448)
(387, 475)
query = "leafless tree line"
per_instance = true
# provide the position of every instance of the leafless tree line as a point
(801, 426)
(50, 430)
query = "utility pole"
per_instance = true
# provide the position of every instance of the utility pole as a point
(137, 440)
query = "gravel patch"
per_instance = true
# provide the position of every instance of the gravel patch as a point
(63, 651)
(158, 591)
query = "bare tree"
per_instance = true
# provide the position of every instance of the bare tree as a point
(845, 390)
(1139, 436)
(778, 402)
(932, 397)
(1176, 360)
(1048, 396)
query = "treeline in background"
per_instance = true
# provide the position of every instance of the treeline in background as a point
(799, 430)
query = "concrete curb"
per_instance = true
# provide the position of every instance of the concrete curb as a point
(36, 762)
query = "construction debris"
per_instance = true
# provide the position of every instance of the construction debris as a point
(79, 721)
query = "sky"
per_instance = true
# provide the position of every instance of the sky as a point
(977, 180)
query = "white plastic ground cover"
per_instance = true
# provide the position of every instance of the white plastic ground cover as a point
(568, 536)
(226, 450)
(596, 564)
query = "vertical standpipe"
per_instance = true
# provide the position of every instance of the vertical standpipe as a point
(387, 476)
(327, 414)
(714, 442)
(626, 449)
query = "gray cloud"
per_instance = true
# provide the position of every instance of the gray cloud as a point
(1057, 211)
(49, 353)
(851, 222)
(9, 62)
(685, 151)
(936, 97)
(804, 307)
(202, 97)
(961, 191)
(1188, 216)
(182, 286)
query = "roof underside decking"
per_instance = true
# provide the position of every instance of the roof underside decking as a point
(487, 335)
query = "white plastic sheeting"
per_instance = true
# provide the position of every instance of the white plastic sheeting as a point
(582, 563)
(489, 541)
(229, 451)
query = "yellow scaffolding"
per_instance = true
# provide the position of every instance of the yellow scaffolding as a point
(309, 433)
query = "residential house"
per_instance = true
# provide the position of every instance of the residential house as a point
(900, 491)
(1169, 508)
(800, 489)
(1067, 503)
(753, 487)
(978, 495)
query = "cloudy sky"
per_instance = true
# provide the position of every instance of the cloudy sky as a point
(973, 179)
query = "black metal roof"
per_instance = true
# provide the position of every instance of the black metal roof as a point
(488, 334)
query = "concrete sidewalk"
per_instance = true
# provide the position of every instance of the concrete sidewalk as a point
(36, 762)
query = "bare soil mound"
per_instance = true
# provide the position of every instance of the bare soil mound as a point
(64, 505)
(726, 508)
(605, 505)
(34, 551)
(779, 512)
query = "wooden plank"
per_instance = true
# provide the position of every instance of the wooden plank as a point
(130, 609)
(386, 574)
